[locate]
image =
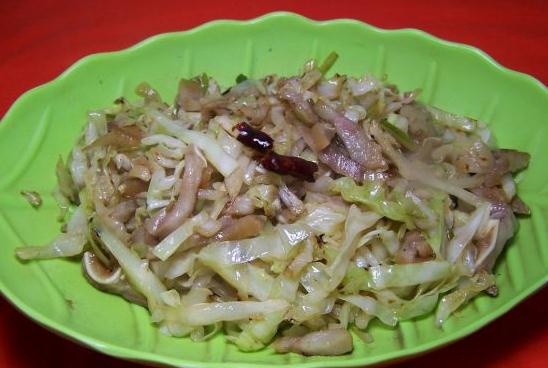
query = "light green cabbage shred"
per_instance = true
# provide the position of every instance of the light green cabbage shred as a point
(374, 195)
(64, 245)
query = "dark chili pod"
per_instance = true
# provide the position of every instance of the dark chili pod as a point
(253, 138)
(289, 165)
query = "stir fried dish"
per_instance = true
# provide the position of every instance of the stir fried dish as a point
(286, 210)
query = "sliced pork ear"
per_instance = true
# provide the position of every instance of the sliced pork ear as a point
(108, 280)
(242, 228)
(336, 157)
(361, 148)
(505, 230)
(126, 138)
(192, 176)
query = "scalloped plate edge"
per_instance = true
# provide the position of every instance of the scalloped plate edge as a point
(130, 354)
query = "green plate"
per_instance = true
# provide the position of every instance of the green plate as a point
(44, 122)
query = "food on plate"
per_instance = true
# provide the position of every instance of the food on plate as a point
(289, 210)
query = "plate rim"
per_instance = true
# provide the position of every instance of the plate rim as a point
(122, 352)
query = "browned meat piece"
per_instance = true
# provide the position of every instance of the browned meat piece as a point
(361, 148)
(336, 157)
(290, 92)
(190, 92)
(124, 138)
(131, 187)
(492, 194)
(414, 249)
(519, 207)
(505, 161)
(420, 121)
(242, 228)
(516, 160)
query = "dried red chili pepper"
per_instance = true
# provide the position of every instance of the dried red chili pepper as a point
(284, 165)
(253, 138)
(289, 165)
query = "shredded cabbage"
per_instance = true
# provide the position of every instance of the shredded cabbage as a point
(172, 242)
(285, 212)
(68, 244)
(373, 194)
(213, 150)
(409, 274)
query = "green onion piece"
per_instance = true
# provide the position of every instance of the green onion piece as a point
(328, 62)
(399, 135)
(241, 78)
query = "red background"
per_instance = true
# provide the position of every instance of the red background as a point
(42, 38)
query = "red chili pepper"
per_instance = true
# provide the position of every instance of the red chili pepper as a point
(289, 165)
(284, 165)
(253, 138)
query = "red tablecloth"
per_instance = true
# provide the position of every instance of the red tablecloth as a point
(39, 39)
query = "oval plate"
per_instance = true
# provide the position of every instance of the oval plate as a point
(44, 122)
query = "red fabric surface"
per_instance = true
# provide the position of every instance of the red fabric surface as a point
(40, 39)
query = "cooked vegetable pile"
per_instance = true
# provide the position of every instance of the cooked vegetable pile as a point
(286, 209)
